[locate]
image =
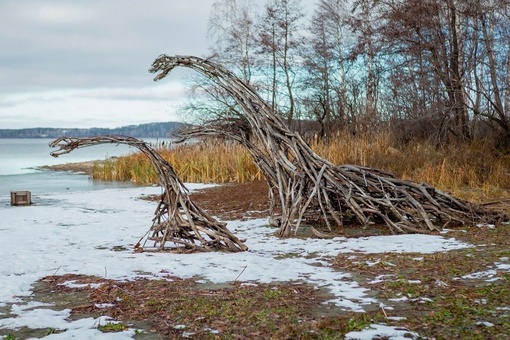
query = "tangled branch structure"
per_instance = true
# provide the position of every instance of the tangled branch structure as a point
(305, 186)
(178, 220)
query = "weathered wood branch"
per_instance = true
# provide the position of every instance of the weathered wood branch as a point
(304, 185)
(178, 220)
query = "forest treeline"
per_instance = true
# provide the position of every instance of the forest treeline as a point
(149, 130)
(433, 70)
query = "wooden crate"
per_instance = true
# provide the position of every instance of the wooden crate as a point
(21, 198)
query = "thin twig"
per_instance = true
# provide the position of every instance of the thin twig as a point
(242, 271)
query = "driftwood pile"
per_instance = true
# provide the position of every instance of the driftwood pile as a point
(178, 221)
(304, 186)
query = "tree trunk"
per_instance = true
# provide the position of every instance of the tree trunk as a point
(457, 89)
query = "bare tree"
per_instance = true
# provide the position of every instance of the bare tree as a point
(324, 53)
(279, 40)
(232, 30)
(438, 69)
(434, 42)
(493, 60)
(365, 22)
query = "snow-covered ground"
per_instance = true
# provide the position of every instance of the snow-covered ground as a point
(76, 233)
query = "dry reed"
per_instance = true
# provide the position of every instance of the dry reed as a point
(205, 162)
(471, 171)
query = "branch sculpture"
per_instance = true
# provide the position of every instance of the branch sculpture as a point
(305, 186)
(177, 219)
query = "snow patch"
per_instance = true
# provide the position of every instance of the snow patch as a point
(377, 331)
(77, 232)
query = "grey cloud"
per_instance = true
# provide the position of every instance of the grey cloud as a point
(94, 43)
(173, 92)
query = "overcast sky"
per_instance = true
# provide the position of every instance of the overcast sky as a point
(84, 63)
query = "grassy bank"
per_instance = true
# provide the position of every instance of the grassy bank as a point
(471, 171)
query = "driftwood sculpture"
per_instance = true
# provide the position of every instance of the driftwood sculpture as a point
(177, 219)
(304, 186)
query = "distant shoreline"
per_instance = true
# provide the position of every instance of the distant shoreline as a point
(161, 130)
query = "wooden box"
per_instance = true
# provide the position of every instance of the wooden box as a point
(21, 198)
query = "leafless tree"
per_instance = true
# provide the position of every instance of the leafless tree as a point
(232, 30)
(434, 68)
(325, 52)
(445, 62)
(491, 72)
(279, 42)
(365, 22)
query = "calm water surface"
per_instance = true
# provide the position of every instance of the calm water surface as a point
(20, 159)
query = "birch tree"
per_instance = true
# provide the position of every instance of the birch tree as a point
(232, 33)
(279, 41)
(324, 55)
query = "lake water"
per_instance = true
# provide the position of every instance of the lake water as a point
(20, 159)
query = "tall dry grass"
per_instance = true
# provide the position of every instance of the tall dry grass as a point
(470, 171)
(205, 162)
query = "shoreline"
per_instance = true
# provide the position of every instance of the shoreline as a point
(78, 167)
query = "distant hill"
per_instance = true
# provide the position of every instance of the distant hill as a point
(151, 130)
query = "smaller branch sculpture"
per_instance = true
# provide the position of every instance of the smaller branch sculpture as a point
(177, 219)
